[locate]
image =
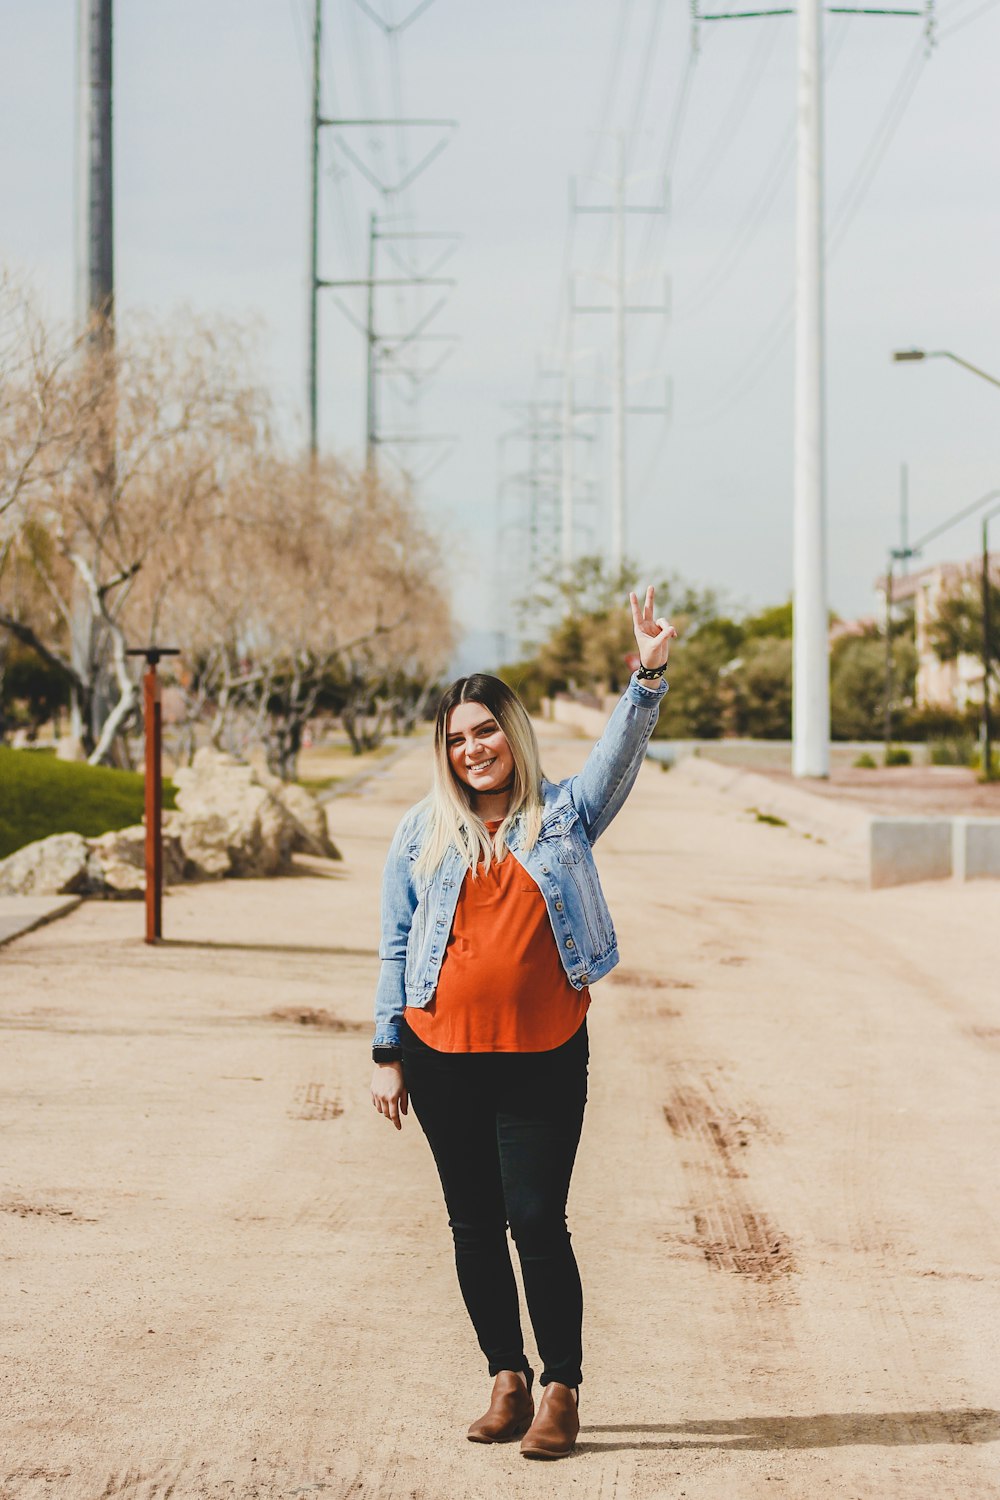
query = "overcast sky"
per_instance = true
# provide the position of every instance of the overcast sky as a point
(210, 117)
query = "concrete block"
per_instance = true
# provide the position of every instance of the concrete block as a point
(907, 849)
(976, 848)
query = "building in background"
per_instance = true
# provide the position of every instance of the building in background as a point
(954, 685)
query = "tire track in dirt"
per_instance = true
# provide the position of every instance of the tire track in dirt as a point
(311, 1101)
(914, 1366)
(731, 1232)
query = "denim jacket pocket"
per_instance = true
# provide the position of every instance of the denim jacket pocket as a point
(563, 835)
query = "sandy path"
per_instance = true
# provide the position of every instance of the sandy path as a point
(224, 1275)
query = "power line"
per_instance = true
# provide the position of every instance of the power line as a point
(727, 133)
(384, 141)
(649, 52)
(301, 30)
(968, 19)
(611, 82)
(867, 168)
(769, 344)
(672, 143)
(758, 204)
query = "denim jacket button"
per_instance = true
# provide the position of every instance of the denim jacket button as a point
(559, 906)
(570, 943)
(545, 869)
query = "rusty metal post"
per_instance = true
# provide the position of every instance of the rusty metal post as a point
(152, 715)
(152, 704)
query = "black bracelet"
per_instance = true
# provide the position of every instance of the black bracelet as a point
(650, 671)
(387, 1054)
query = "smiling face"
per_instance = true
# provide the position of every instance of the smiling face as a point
(478, 751)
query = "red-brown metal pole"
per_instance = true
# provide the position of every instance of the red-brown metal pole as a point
(152, 713)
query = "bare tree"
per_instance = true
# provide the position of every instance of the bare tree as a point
(142, 497)
(135, 450)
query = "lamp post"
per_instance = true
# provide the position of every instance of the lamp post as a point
(152, 720)
(908, 356)
(914, 551)
(987, 731)
(896, 554)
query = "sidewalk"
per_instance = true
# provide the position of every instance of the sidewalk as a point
(226, 1275)
(21, 914)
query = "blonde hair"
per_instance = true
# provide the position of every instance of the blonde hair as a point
(451, 821)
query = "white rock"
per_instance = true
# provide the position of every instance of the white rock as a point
(307, 814)
(228, 823)
(117, 863)
(55, 866)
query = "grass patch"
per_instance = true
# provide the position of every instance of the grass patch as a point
(40, 795)
(319, 783)
(769, 818)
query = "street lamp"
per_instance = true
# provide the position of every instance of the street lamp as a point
(908, 356)
(987, 736)
(896, 554)
(904, 553)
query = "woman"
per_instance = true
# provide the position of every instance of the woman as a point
(493, 927)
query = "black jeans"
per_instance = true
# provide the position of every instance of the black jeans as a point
(504, 1128)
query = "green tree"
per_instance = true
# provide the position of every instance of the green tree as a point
(958, 627)
(761, 686)
(775, 620)
(857, 682)
(857, 688)
(32, 690)
(586, 635)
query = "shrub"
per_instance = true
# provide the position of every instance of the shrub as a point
(865, 762)
(897, 756)
(955, 750)
(762, 690)
(934, 723)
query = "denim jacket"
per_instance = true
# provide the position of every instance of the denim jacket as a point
(418, 910)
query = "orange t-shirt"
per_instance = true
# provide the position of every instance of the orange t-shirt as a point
(502, 986)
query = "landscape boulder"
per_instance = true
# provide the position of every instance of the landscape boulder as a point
(227, 822)
(117, 863)
(231, 820)
(306, 814)
(55, 866)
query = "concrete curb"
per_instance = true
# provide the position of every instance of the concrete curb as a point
(899, 851)
(835, 822)
(21, 914)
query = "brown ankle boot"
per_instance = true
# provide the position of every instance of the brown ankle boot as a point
(510, 1413)
(556, 1425)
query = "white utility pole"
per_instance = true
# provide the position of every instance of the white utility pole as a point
(810, 665)
(618, 368)
(810, 658)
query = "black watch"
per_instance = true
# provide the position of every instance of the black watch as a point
(387, 1054)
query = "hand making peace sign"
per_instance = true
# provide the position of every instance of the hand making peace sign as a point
(652, 636)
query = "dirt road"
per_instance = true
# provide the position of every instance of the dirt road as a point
(224, 1275)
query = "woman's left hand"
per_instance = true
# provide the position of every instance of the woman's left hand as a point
(652, 636)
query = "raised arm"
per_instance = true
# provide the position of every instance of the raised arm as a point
(600, 789)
